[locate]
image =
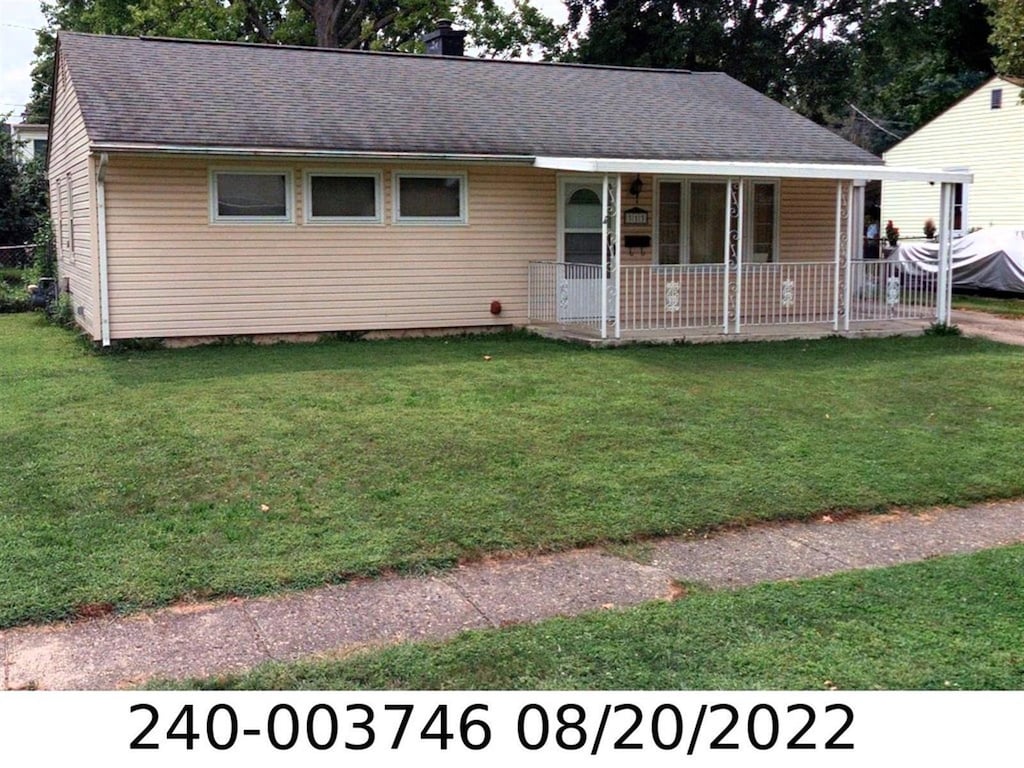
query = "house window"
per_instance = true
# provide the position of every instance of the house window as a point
(430, 199)
(342, 198)
(763, 206)
(582, 224)
(670, 218)
(997, 98)
(691, 221)
(251, 196)
(959, 219)
(706, 222)
(39, 147)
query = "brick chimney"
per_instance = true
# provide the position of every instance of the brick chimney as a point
(445, 41)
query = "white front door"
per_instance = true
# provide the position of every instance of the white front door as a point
(579, 284)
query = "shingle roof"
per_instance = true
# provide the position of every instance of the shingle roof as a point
(192, 93)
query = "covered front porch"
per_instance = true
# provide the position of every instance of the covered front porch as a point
(711, 262)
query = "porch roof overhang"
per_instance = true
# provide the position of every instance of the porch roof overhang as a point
(741, 169)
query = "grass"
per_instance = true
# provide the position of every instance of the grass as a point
(950, 623)
(136, 479)
(1003, 307)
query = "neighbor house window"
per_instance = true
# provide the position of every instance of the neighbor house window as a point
(342, 198)
(251, 196)
(997, 98)
(430, 199)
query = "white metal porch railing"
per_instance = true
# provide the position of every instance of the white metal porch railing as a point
(566, 294)
(706, 296)
(884, 290)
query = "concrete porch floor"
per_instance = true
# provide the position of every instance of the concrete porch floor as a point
(864, 329)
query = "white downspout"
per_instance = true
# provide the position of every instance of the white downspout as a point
(101, 224)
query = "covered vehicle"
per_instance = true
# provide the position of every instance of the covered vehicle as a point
(990, 259)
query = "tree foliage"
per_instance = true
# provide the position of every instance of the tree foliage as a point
(1008, 36)
(22, 192)
(835, 61)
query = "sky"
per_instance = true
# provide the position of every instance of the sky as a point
(18, 21)
(20, 18)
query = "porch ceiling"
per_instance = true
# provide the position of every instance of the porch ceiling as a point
(741, 169)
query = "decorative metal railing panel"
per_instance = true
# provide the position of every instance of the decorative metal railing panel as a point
(565, 294)
(788, 293)
(672, 297)
(886, 290)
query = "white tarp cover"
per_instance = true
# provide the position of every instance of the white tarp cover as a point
(990, 259)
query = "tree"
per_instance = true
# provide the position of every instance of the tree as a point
(1008, 36)
(366, 24)
(22, 192)
(764, 43)
(872, 70)
(914, 60)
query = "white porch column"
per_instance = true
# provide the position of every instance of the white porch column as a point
(735, 212)
(854, 224)
(841, 292)
(611, 236)
(727, 286)
(605, 203)
(616, 257)
(944, 284)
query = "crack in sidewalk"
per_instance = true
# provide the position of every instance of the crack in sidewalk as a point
(257, 631)
(462, 593)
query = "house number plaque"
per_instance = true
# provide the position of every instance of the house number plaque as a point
(634, 216)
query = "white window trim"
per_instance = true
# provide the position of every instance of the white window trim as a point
(307, 197)
(289, 196)
(965, 224)
(748, 215)
(70, 188)
(59, 228)
(449, 221)
(684, 213)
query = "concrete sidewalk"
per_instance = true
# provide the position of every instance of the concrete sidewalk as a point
(230, 636)
(1002, 329)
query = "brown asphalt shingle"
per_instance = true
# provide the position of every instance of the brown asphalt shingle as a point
(212, 94)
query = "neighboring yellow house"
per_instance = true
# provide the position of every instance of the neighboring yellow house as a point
(203, 189)
(982, 134)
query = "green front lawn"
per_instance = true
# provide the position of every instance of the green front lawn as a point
(135, 479)
(946, 624)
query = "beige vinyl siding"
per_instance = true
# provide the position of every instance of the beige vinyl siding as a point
(970, 135)
(640, 256)
(807, 220)
(174, 273)
(70, 176)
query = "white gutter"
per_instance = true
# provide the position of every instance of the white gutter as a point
(101, 223)
(314, 154)
(734, 169)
